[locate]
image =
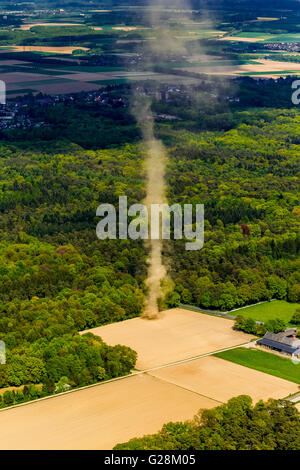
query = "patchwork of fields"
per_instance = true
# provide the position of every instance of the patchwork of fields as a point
(21, 75)
(103, 415)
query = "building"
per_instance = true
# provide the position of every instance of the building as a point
(284, 342)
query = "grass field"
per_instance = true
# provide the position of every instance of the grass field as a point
(252, 34)
(270, 310)
(21, 91)
(263, 37)
(264, 362)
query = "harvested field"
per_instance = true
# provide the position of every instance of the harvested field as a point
(28, 26)
(222, 380)
(99, 417)
(243, 39)
(265, 67)
(177, 334)
(52, 50)
(124, 28)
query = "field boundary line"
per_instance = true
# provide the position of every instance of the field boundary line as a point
(133, 374)
(183, 388)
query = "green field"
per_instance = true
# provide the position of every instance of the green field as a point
(264, 362)
(90, 69)
(32, 69)
(20, 91)
(116, 81)
(267, 37)
(47, 82)
(269, 310)
(250, 34)
(285, 38)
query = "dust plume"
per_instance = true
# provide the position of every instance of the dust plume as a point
(167, 44)
(155, 194)
(155, 168)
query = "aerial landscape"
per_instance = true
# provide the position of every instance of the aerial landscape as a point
(149, 227)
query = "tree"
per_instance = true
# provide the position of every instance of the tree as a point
(62, 385)
(275, 326)
(277, 286)
(248, 325)
(8, 398)
(296, 317)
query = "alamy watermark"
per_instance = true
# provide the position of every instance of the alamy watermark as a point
(141, 222)
(2, 353)
(296, 94)
(2, 92)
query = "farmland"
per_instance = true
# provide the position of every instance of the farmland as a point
(270, 310)
(189, 334)
(221, 380)
(100, 416)
(264, 362)
(87, 363)
(19, 75)
(92, 35)
(49, 49)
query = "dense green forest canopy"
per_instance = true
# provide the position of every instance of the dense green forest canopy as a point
(56, 277)
(246, 175)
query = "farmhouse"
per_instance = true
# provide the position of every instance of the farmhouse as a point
(284, 342)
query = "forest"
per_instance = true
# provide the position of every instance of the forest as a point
(246, 178)
(57, 278)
